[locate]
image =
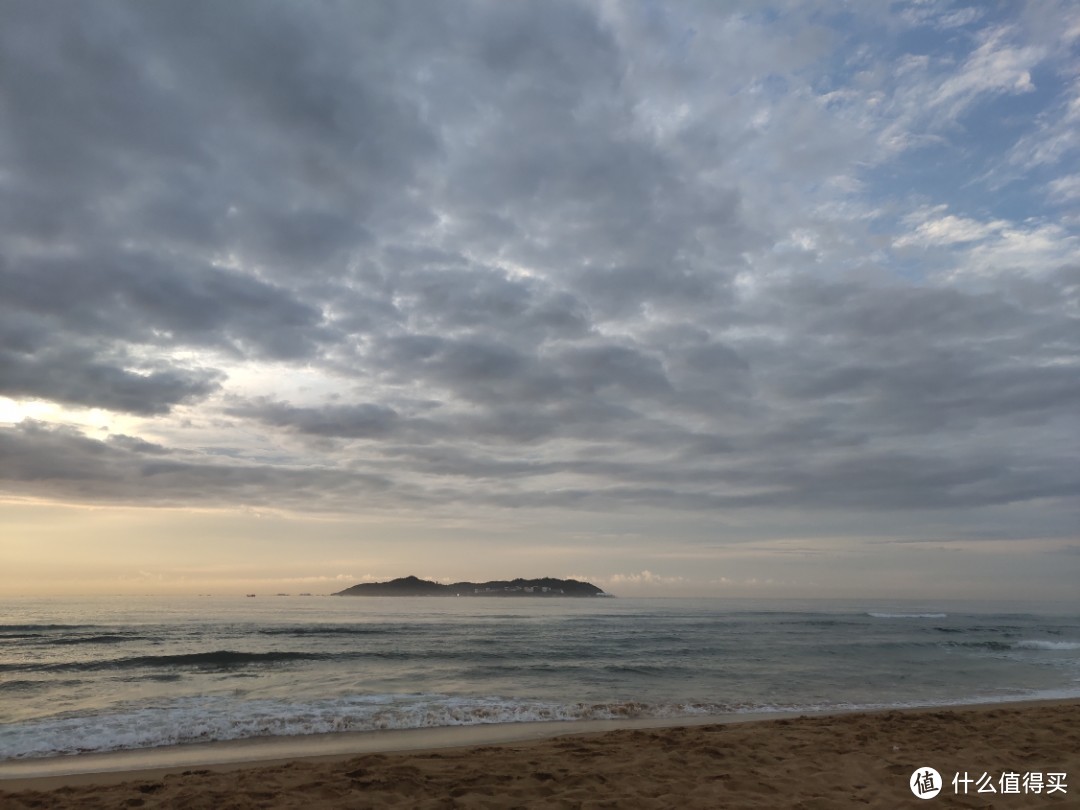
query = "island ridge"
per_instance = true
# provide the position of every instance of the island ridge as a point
(414, 586)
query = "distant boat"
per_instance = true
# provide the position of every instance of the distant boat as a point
(250, 595)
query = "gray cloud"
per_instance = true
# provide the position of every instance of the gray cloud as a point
(62, 463)
(593, 259)
(365, 420)
(143, 298)
(77, 378)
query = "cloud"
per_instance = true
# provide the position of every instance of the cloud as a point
(366, 420)
(142, 298)
(948, 230)
(1065, 188)
(546, 257)
(75, 377)
(642, 578)
(63, 464)
(995, 66)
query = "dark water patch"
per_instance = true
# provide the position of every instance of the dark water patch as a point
(16, 628)
(218, 659)
(231, 659)
(1006, 631)
(784, 620)
(997, 646)
(617, 619)
(155, 677)
(488, 642)
(885, 646)
(23, 686)
(331, 631)
(647, 670)
(104, 639)
(528, 673)
(215, 659)
(793, 616)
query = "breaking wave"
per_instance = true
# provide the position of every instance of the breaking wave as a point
(1048, 645)
(203, 719)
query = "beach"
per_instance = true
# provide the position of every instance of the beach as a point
(414, 702)
(856, 759)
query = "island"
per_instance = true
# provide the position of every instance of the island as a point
(414, 586)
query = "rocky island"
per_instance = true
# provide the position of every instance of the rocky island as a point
(414, 586)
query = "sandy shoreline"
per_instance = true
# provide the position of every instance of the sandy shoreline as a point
(854, 759)
(106, 768)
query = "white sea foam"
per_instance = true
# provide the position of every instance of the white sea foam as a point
(1048, 645)
(908, 615)
(204, 719)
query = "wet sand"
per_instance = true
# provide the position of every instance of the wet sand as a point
(861, 759)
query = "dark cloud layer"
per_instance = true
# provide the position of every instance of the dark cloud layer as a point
(75, 377)
(534, 254)
(58, 462)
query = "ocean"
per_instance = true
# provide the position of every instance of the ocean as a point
(115, 673)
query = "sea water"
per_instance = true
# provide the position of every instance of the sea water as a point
(107, 674)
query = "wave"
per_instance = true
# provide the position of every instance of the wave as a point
(327, 631)
(218, 659)
(1019, 645)
(205, 719)
(48, 638)
(908, 615)
(1048, 645)
(218, 718)
(4, 628)
(997, 646)
(231, 659)
(22, 686)
(103, 639)
(1006, 630)
(649, 670)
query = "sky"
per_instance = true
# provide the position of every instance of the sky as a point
(682, 298)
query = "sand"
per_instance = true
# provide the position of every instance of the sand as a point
(828, 761)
